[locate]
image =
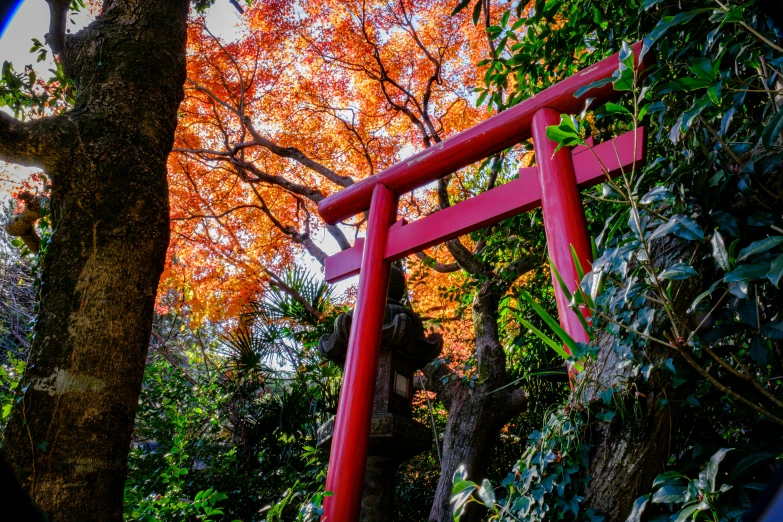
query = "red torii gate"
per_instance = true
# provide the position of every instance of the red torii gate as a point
(553, 184)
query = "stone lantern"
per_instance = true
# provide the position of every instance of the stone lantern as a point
(394, 436)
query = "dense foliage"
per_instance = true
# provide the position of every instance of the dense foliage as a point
(684, 292)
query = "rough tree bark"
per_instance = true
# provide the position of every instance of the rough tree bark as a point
(69, 437)
(474, 414)
(627, 456)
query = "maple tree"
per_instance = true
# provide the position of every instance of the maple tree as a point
(314, 97)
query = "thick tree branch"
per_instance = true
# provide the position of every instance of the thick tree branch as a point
(435, 377)
(25, 143)
(303, 239)
(489, 351)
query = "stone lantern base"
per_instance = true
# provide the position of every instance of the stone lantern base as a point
(393, 439)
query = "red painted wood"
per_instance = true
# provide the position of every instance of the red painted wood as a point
(520, 195)
(564, 217)
(348, 459)
(344, 264)
(485, 139)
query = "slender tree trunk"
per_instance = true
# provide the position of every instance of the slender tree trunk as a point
(69, 437)
(475, 414)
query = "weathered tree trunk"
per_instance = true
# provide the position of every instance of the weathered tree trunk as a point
(475, 414)
(69, 437)
(627, 456)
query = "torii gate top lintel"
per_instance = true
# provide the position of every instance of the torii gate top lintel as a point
(489, 137)
(553, 184)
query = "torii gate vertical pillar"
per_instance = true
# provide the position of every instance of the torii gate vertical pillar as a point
(348, 458)
(564, 216)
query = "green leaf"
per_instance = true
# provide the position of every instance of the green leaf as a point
(656, 194)
(669, 495)
(667, 22)
(681, 226)
(460, 475)
(460, 495)
(686, 513)
(670, 478)
(577, 263)
(776, 270)
(563, 137)
(773, 330)
(719, 252)
(696, 109)
(638, 509)
(487, 494)
(702, 68)
(747, 272)
(523, 505)
(477, 12)
(748, 463)
(557, 347)
(762, 245)
(684, 84)
(613, 108)
(712, 466)
(567, 292)
(735, 14)
(567, 123)
(460, 6)
(647, 4)
(550, 321)
(594, 85)
(624, 77)
(678, 272)
(772, 130)
(504, 18)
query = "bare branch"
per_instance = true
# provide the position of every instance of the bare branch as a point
(25, 143)
(432, 264)
(214, 216)
(58, 19)
(259, 175)
(284, 152)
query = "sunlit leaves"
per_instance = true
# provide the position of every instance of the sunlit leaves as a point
(565, 134)
(310, 80)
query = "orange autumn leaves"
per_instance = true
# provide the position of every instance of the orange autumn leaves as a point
(313, 96)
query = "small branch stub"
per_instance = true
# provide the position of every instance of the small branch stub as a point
(23, 225)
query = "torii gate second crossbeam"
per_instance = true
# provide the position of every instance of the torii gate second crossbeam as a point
(553, 184)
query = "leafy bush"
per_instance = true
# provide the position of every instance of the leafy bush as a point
(684, 290)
